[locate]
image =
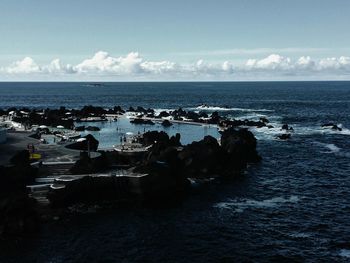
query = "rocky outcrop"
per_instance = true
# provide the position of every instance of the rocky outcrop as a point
(90, 143)
(332, 126)
(79, 128)
(240, 145)
(166, 123)
(92, 128)
(142, 121)
(264, 119)
(61, 116)
(205, 158)
(153, 137)
(286, 127)
(163, 114)
(168, 166)
(49, 117)
(284, 136)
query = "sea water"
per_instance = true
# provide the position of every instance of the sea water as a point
(293, 206)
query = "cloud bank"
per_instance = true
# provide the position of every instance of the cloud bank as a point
(103, 66)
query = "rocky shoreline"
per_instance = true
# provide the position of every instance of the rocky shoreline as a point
(159, 175)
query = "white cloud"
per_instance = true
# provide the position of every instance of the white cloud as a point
(56, 67)
(24, 66)
(160, 67)
(335, 63)
(227, 67)
(306, 63)
(133, 66)
(272, 62)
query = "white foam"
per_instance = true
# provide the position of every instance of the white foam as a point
(298, 129)
(265, 133)
(344, 130)
(300, 235)
(217, 108)
(251, 116)
(157, 111)
(241, 205)
(344, 253)
(332, 147)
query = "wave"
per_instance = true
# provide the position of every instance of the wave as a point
(299, 235)
(239, 206)
(332, 147)
(159, 110)
(270, 134)
(328, 130)
(218, 108)
(344, 253)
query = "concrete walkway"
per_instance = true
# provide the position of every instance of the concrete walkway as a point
(17, 141)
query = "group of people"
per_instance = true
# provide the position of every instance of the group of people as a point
(122, 139)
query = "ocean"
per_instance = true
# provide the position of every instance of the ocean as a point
(294, 206)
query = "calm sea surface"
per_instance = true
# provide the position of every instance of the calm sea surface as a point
(292, 207)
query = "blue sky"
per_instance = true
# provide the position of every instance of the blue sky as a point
(174, 39)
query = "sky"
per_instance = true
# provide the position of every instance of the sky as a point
(111, 40)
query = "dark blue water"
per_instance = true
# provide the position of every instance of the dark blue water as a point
(292, 207)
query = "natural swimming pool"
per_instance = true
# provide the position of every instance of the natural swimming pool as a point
(111, 131)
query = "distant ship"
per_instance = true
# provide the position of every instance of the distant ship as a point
(94, 85)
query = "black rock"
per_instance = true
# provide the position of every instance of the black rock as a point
(166, 123)
(92, 128)
(141, 109)
(80, 128)
(203, 159)
(151, 137)
(118, 110)
(284, 136)
(142, 121)
(286, 127)
(331, 125)
(163, 114)
(89, 144)
(264, 119)
(240, 145)
(336, 128)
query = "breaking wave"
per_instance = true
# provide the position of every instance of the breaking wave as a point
(241, 205)
(344, 253)
(218, 108)
(332, 147)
